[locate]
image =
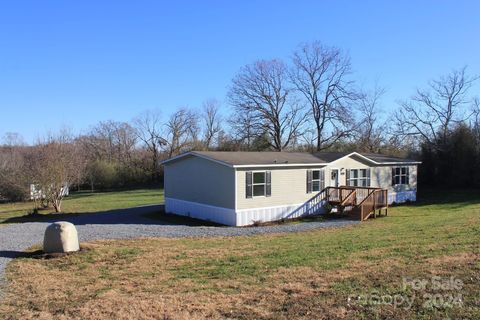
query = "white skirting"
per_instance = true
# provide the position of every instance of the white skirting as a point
(249, 216)
(246, 217)
(240, 217)
(200, 211)
(402, 196)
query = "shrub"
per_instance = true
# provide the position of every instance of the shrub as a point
(11, 191)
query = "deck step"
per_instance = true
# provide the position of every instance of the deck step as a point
(357, 202)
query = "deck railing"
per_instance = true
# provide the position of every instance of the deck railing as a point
(376, 199)
(339, 194)
(365, 200)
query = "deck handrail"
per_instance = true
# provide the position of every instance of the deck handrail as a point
(352, 194)
(376, 198)
(372, 202)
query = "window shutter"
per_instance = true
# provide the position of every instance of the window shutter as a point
(393, 176)
(368, 177)
(347, 172)
(322, 179)
(309, 181)
(268, 183)
(407, 179)
(248, 180)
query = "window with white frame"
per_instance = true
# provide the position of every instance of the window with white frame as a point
(400, 175)
(358, 177)
(258, 184)
(315, 180)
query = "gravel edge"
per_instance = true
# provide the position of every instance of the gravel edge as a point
(131, 224)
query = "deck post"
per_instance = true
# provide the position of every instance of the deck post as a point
(386, 202)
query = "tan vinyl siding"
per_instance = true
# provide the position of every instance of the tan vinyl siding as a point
(344, 163)
(289, 186)
(199, 180)
(382, 177)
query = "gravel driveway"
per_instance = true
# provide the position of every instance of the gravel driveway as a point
(131, 223)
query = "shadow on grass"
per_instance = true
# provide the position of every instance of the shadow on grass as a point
(14, 254)
(155, 215)
(37, 254)
(145, 215)
(149, 215)
(180, 220)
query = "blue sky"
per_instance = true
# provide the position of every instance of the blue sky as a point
(74, 63)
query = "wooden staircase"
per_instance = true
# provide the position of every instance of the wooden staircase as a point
(358, 202)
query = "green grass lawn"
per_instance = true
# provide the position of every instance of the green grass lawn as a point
(282, 276)
(82, 202)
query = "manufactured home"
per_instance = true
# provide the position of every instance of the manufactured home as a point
(242, 188)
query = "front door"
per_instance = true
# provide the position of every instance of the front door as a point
(334, 178)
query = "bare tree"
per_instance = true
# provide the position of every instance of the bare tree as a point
(124, 142)
(309, 139)
(181, 131)
(13, 139)
(211, 119)
(475, 123)
(113, 145)
(431, 113)
(148, 127)
(260, 91)
(370, 130)
(321, 74)
(476, 112)
(226, 142)
(55, 164)
(13, 178)
(111, 140)
(243, 129)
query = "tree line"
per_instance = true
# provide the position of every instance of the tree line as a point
(309, 103)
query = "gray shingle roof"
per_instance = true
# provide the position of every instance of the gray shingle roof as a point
(380, 158)
(239, 158)
(248, 158)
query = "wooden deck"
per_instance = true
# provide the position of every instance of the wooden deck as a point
(358, 202)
